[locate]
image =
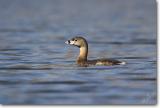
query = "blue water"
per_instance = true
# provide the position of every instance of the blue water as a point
(37, 67)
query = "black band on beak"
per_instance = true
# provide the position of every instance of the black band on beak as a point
(69, 41)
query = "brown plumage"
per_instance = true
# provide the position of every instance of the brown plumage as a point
(82, 44)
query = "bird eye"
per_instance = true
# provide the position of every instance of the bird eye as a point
(75, 40)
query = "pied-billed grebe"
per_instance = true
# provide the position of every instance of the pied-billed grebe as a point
(82, 44)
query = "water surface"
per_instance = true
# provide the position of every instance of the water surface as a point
(37, 67)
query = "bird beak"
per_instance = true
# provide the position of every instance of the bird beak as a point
(67, 42)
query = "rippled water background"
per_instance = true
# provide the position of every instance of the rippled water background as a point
(36, 67)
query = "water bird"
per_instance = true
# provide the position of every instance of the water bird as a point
(82, 60)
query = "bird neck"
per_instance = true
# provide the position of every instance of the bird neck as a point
(83, 53)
